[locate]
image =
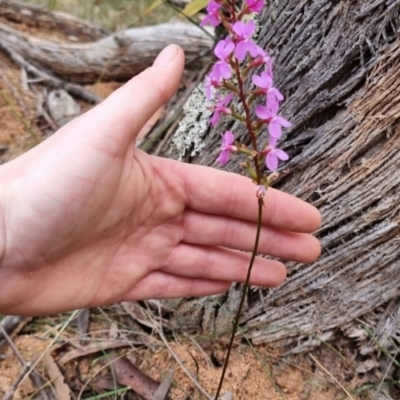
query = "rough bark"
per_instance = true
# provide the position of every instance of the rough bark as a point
(115, 57)
(338, 65)
(37, 16)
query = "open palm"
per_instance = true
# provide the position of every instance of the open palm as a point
(88, 219)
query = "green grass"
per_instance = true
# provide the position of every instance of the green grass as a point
(112, 14)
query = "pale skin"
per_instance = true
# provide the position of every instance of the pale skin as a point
(87, 219)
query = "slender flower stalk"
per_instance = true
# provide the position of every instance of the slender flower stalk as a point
(238, 56)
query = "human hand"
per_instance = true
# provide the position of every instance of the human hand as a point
(87, 219)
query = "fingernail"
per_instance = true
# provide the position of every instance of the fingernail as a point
(167, 55)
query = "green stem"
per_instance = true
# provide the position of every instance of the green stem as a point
(244, 294)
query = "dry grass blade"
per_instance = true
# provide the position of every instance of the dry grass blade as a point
(324, 369)
(127, 374)
(90, 349)
(62, 390)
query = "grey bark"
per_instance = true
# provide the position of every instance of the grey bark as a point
(338, 65)
(115, 57)
(37, 16)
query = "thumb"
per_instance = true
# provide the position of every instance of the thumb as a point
(121, 116)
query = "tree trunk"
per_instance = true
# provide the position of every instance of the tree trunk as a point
(338, 66)
(115, 57)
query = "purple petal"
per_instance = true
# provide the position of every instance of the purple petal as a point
(261, 52)
(223, 157)
(228, 138)
(213, 20)
(255, 5)
(271, 161)
(213, 6)
(252, 48)
(215, 118)
(226, 100)
(250, 28)
(240, 51)
(277, 94)
(281, 154)
(262, 112)
(216, 72)
(266, 76)
(239, 28)
(272, 142)
(219, 48)
(274, 129)
(272, 101)
(260, 82)
(228, 50)
(208, 91)
(284, 122)
(274, 107)
(225, 70)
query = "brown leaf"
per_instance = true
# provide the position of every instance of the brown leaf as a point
(56, 377)
(82, 320)
(162, 391)
(90, 349)
(103, 383)
(127, 374)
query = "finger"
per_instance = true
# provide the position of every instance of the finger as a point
(218, 263)
(213, 191)
(213, 230)
(161, 285)
(118, 120)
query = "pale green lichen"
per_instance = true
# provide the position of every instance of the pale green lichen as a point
(194, 125)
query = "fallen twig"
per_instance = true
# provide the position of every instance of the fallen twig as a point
(90, 349)
(10, 323)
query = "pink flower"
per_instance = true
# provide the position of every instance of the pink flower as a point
(261, 191)
(222, 51)
(274, 155)
(255, 5)
(244, 32)
(210, 82)
(265, 83)
(269, 114)
(213, 17)
(227, 147)
(220, 108)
